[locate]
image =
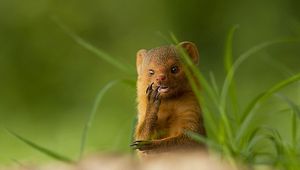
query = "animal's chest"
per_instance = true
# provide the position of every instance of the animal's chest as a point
(166, 116)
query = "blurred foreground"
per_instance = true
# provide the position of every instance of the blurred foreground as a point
(117, 162)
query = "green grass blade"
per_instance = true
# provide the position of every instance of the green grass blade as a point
(278, 143)
(214, 83)
(265, 133)
(193, 72)
(100, 53)
(195, 79)
(228, 60)
(37, 147)
(241, 59)
(228, 48)
(276, 138)
(195, 86)
(166, 39)
(277, 65)
(201, 139)
(254, 141)
(294, 130)
(295, 110)
(247, 142)
(254, 138)
(270, 92)
(292, 104)
(248, 113)
(286, 110)
(92, 114)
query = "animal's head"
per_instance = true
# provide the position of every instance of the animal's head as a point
(162, 67)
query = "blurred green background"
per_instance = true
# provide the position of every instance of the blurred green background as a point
(48, 82)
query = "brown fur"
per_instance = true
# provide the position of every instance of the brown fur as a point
(163, 120)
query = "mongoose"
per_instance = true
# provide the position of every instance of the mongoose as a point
(167, 106)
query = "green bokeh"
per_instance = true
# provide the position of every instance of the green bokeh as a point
(48, 82)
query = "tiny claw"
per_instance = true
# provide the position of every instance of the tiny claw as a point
(156, 92)
(149, 87)
(139, 144)
(135, 143)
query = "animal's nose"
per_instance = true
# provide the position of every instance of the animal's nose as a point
(161, 78)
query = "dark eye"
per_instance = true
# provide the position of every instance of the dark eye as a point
(174, 69)
(151, 72)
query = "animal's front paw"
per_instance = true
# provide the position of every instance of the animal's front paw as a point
(142, 145)
(153, 95)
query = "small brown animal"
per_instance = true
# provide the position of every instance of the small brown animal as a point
(167, 106)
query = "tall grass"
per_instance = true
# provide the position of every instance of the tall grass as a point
(236, 138)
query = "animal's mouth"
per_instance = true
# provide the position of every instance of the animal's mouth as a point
(163, 89)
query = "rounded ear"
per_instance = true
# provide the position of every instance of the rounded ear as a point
(140, 55)
(191, 50)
